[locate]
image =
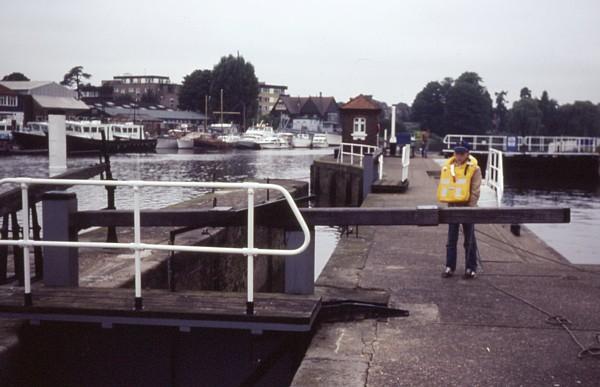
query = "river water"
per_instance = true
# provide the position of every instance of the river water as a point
(579, 240)
(185, 166)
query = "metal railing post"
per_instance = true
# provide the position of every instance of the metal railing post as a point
(26, 266)
(250, 259)
(136, 245)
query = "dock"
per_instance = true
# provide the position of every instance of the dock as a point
(501, 329)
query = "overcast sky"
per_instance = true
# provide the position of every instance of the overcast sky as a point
(390, 49)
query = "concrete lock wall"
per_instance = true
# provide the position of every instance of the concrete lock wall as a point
(336, 185)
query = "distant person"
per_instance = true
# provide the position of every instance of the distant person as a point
(425, 134)
(460, 183)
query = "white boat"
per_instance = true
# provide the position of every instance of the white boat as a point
(301, 140)
(319, 140)
(187, 141)
(269, 142)
(87, 136)
(230, 138)
(166, 142)
(334, 139)
(255, 135)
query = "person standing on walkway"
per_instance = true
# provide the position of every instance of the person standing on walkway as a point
(460, 184)
(425, 134)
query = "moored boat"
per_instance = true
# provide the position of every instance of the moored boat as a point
(319, 140)
(87, 136)
(301, 140)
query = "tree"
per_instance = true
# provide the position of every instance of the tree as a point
(549, 109)
(15, 77)
(525, 93)
(526, 117)
(428, 107)
(194, 89)
(581, 118)
(75, 76)
(500, 117)
(236, 78)
(468, 106)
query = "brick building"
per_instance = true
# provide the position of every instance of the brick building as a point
(268, 96)
(360, 120)
(155, 89)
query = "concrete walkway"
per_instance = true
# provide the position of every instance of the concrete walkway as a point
(459, 333)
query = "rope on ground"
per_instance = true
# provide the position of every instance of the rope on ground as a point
(557, 320)
(539, 255)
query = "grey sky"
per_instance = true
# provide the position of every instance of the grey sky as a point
(390, 49)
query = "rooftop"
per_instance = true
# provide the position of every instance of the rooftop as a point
(24, 85)
(361, 102)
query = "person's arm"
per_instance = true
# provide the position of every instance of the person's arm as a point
(475, 188)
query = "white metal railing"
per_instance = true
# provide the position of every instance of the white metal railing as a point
(494, 174)
(137, 246)
(527, 144)
(560, 144)
(480, 143)
(405, 161)
(356, 152)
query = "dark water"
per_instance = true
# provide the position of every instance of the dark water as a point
(189, 166)
(578, 241)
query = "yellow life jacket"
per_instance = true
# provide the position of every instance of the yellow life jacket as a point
(455, 181)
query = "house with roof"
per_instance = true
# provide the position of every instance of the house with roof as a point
(313, 114)
(35, 100)
(360, 120)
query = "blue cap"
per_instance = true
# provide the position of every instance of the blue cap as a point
(462, 147)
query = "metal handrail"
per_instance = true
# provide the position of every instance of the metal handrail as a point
(531, 144)
(405, 161)
(494, 175)
(250, 251)
(362, 149)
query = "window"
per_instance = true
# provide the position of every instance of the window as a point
(8, 100)
(359, 128)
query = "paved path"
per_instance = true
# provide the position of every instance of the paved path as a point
(459, 333)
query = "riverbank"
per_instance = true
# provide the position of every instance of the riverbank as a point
(459, 332)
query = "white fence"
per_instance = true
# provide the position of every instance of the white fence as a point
(405, 161)
(527, 144)
(137, 246)
(494, 174)
(351, 153)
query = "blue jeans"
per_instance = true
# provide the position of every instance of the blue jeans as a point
(470, 246)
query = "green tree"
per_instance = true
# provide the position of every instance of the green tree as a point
(525, 93)
(525, 117)
(500, 118)
(549, 109)
(238, 81)
(581, 118)
(468, 106)
(15, 77)
(195, 87)
(75, 77)
(428, 107)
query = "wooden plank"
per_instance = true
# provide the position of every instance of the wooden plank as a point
(512, 215)
(162, 304)
(281, 216)
(10, 201)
